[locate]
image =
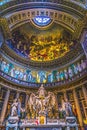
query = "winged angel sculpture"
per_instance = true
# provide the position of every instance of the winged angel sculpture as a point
(42, 102)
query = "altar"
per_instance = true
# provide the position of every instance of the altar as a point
(32, 124)
(55, 124)
(42, 113)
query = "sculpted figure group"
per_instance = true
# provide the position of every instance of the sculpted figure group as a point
(42, 102)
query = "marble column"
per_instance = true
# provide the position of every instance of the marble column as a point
(17, 95)
(77, 107)
(57, 98)
(84, 109)
(56, 94)
(56, 107)
(85, 94)
(85, 97)
(65, 95)
(26, 100)
(5, 106)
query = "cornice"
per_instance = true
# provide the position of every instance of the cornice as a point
(65, 87)
(75, 85)
(16, 5)
(27, 66)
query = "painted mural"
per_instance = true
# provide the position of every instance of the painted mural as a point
(41, 45)
(41, 76)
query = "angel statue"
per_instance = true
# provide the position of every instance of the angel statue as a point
(42, 102)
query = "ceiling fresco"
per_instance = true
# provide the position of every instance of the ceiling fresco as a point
(41, 45)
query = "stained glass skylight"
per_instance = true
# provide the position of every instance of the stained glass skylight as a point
(42, 20)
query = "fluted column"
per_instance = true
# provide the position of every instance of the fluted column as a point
(65, 95)
(56, 94)
(57, 98)
(17, 95)
(85, 94)
(85, 97)
(5, 106)
(84, 109)
(26, 100)
(77, 107)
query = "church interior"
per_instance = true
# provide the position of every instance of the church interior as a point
(43, 64)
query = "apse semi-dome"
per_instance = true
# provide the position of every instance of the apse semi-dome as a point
(44, 44)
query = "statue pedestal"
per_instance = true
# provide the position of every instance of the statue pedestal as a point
(12, 122)
(42, 118)
(71, 122)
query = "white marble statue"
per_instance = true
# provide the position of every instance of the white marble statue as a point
(14, 108)
(68, 107)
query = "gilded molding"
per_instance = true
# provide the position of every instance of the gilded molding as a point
(5, 28)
